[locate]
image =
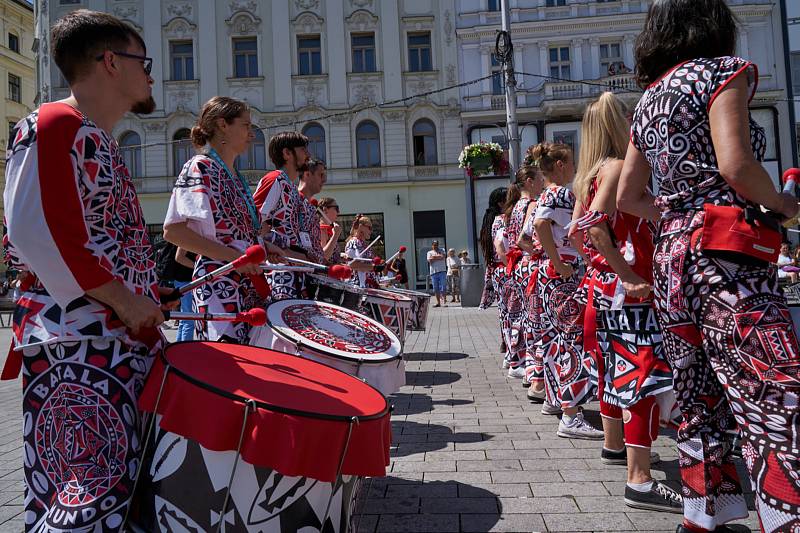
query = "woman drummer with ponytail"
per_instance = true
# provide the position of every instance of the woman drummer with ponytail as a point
(356, 249)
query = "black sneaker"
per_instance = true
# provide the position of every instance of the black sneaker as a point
(658, 498)
(610, 457)
(734, 528)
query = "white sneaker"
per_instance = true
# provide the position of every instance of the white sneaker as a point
(536, 396)
(516, 373)
(550, 409)
(578, 428)
(506, 364)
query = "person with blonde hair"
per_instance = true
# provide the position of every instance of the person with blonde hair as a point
(568, 380)
(355, 248)
(205, 216)
(620, 329)
(453, 275)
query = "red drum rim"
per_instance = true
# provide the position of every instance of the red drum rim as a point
(270, 405)
(275, 319)
(388, 295)
(408, 292)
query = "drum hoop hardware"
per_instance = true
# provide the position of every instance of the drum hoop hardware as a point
(150, 427)
(334, 485)
(299, 343)
(249, 405)
(267, 406)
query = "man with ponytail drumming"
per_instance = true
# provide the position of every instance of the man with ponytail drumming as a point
(212, 214)
(620, 329)
(282, 209)
(84, 326)
(568, 379)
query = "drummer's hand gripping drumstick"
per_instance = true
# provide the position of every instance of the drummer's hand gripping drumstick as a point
(254, 317)
(378, 265)
(791, 179)
(333, 271)
(315, 203)
(398, 252)
(253, 255)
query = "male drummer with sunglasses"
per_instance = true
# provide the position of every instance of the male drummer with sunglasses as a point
(84, 325)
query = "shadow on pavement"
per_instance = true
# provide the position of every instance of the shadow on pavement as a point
(418, 437)
(438, 356)
(412, 404)
(429, 378)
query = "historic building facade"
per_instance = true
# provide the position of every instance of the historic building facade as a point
(568, 51)
(319, 67)
(16, 69)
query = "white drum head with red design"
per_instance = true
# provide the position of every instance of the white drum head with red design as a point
(333, 330)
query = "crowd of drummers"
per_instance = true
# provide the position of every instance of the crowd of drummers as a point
(645, 279)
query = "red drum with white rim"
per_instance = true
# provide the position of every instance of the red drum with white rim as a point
(419, 308)
(390, 309)
(236, 447)
(336, 336)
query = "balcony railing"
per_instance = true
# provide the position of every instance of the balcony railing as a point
(563, 90)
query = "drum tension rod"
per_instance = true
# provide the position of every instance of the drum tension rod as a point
(249, 405)
(334, 485)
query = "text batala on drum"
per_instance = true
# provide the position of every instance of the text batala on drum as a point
(92, 358)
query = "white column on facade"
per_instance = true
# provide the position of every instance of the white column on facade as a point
(486, 69)
(337, 48)
(577, 59)
(742, 45)
(392, 60)
(207, 50)
(282, 53)
(544, 58)
(152, 39)
(627, 52)
(595, 55)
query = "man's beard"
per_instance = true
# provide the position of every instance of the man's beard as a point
(302, 168)
(144, 107)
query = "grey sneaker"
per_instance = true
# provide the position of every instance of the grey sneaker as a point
(610, 457)
(578, 428)
(536, 396)
(550, 409)
(658, 498)
(516, 372)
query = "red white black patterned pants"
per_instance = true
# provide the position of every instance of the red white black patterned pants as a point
(731, 343)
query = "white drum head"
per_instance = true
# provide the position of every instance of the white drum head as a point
(332, 330)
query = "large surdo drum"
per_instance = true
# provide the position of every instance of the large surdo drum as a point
(419, 308)
(390, 309)
(335, 336)
(248, 440)
(325, 289)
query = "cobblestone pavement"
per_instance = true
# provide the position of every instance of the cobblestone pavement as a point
(469, 454)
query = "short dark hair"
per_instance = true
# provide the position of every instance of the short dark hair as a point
(79, 37)
(676, 31)
(285, 139)
(314, 165)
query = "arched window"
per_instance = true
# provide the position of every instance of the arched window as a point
(181, 150)
(316, 140)
(424, 135)
(255, 158)
(368, 145)
(130, 146)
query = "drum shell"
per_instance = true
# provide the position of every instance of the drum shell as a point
(185, 483)
(418, 317)
(386, 376)
(391, 312)
(323, 289)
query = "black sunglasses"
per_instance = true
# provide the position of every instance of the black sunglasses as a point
(334, 207)
(147, 62)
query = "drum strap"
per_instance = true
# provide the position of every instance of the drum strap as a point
(249, 405)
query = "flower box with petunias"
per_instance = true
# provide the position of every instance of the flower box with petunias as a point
(483, 158)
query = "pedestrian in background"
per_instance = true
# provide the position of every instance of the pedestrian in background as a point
(453, 275)
(437, 267)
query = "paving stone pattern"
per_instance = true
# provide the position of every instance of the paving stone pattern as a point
(469, 452)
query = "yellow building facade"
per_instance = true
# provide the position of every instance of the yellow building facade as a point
(17, 69)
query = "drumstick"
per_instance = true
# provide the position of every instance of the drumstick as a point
(315, 203)
(378, 265)
(370, 246)
(334, 271)
(269, 267)
(254, 317)
(253, 255)
(398, 252)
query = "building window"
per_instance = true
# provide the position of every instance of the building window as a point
(419, 52)
(182, 60)
(245, 58)
(424, 137)
(559, 63)
(795, 60)
(610, 58)
(255, 158)
(555, 3)
(130, 146)
(14, 88)
(69, 2)
(11, 125)
(13, 43)
(309, 55)
(429, 226)
(368, 145)
(566, 137)
(497, 77)
(316, 140)
(493, 5)
(363, 45)
(181, 150)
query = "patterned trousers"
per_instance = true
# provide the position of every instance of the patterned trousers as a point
(502, 288)
(82, 432)
(732, 346)
(534, 320)
(569, 371)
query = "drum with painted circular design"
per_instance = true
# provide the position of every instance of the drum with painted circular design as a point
(419, 308)
(336, 336)
(233, 442)
(390, 309)
(333, 291)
